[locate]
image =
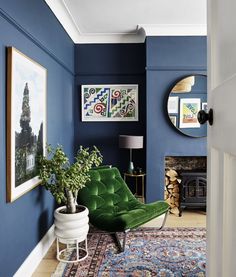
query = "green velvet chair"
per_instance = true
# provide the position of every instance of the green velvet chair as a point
(113, 207)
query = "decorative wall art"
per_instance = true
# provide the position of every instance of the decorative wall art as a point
(109, 102)
(173, 104)
(204, 106)
(189, 108)
(173, 119)
(26, 120)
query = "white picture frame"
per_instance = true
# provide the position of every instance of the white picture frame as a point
(173, 119)
(173, 104)
(189, 108)
(204, 106)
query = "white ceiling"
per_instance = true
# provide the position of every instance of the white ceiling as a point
(117, 21)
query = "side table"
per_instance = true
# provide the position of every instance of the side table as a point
(137, 177)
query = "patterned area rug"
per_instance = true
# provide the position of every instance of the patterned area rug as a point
(171, 252)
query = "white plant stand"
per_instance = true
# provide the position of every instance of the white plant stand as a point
(71, 244)
(71, 230)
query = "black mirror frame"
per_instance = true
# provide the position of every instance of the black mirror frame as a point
(179, 130)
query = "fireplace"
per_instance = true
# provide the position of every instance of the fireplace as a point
(193, 190)
(185, 183)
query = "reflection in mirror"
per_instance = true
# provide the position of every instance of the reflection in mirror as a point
(186, 98)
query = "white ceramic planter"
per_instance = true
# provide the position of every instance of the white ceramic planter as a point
(71, 226)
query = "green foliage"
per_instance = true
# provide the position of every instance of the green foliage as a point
(64, 179)
(20, 164)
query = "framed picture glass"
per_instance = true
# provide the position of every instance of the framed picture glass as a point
(173, 119)
(189, 108)
(26, 122)
(204, 106)
(109, 102)
(173, 104)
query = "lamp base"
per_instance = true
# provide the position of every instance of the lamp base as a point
(131, 167)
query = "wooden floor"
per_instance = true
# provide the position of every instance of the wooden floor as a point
(188, 219)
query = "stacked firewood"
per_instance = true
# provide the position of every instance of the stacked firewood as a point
(172, 194)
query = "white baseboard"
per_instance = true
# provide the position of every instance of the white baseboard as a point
(32, 261)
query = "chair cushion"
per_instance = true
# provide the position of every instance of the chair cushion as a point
(112, 206)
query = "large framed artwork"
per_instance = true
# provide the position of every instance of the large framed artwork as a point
(189, 108)
(26, 122)
(109, 102)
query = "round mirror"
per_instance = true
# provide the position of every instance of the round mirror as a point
(187, 97)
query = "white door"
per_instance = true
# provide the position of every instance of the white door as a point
(221, 222)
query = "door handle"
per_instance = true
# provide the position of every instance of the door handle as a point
(203, 117)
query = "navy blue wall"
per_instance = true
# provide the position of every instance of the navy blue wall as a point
(32, 28)
(110, 64)
(168, 59)
(26, 220)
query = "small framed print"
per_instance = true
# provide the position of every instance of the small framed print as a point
(204, 106)
(189, 108)
(173, 104)
(173, 119)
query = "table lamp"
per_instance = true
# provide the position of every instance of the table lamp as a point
(130, 142)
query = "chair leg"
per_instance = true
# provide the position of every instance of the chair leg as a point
(122, 247)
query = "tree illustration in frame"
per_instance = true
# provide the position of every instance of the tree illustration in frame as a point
(26, 122)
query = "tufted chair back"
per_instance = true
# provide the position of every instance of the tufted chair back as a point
(112, 206)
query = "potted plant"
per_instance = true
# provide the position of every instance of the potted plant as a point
(64, 179)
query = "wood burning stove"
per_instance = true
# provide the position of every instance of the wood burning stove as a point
(193, 190)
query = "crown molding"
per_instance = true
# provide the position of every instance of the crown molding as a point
(174, 29)
(62, 13)
(108, 38)
(60, 10)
